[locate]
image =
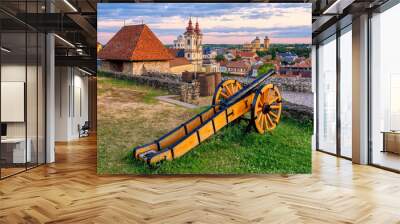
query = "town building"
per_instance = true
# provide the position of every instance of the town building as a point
(241, 67)
(179, 63)
(209, 62)
(247, 55)
(256, 45)
(229, 56)
(287, 57)
(211, 67)
(302, 69)
(222, 66)
(135, 50)
(179, 43)
(191, 42)
(209, 54)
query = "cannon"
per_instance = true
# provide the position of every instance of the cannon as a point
(231, 101)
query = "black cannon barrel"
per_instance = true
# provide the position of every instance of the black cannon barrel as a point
(249, 88)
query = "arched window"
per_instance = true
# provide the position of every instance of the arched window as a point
(188, 42)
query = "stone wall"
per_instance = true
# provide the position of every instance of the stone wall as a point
(137, 68)
(182, 68)
(188, 92)
(290, 84)
(295, 84)
(141, 68)
(104, 66)
(296, 111)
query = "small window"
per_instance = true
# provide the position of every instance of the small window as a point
(188, 42)
(117, 66)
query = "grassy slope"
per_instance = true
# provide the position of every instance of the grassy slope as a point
(286, 150)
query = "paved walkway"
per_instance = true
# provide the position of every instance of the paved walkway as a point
(169, 99)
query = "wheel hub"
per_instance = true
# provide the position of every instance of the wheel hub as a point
(266, 108)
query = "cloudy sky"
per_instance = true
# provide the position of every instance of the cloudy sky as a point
(220, 23)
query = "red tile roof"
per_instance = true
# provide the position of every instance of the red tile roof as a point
(238, 64)
(303, 64)
(178, 62)
(223, 63)
(245, 54)
(173, 51)
(135, 43)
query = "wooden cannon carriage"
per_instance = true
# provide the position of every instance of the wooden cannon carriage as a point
(230, 102)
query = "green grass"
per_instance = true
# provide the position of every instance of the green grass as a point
(231, 151)
(149, 93)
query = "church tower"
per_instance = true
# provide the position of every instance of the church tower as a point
(266, 43)
(193, 45)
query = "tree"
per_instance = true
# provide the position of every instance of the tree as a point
(261, 53)
(237, 58)
(273, 55)
(219, 58)
(265, 68)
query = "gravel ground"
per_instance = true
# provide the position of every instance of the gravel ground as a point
(305, 99)
(299, 98)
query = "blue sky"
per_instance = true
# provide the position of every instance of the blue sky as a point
(220, 23)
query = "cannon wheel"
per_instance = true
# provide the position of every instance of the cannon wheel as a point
(225, 89)
(266, 108)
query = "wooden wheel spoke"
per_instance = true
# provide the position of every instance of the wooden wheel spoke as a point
(273, 114)
(270, 120)
(266, 96)
(275, 107)
(273, 100)
(224, 95)
(260, 103)
(226, 90)
(265, 125)
(231, 87)
(269, 95)
(259, 115)
(235, 88)
(262, 118)
(229, 90)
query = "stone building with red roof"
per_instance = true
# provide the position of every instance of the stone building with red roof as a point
(246, 54)
(135, 50)
(302, 69)
(241, 67)
(179, 63)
